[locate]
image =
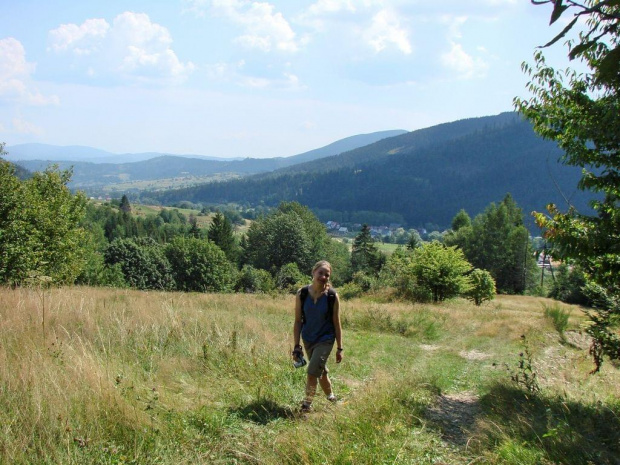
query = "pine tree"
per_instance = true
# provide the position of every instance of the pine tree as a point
(221, 233)
(365, 255)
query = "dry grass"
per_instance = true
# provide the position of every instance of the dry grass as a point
(122, 376)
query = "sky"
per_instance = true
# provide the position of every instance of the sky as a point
(236, 78)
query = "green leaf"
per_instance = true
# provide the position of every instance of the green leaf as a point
(609, 69)
(561, 34)
(558, 9)
(581, 48)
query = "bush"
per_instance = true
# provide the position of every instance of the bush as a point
(568, 286)
(253, 281)
(481, 287)
(199, 265)
(289, 278)
(143, 263)
(363, 280)
(350, 291)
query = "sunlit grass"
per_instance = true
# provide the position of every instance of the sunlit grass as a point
(122, 376)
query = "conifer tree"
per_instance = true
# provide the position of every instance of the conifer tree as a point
(221, 233)
(365, 255)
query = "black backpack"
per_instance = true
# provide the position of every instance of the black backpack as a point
(331, 299)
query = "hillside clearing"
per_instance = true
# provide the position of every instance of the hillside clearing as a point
(121, 376)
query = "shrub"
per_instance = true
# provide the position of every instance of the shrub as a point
(253, 281)
(481, 287)
(289, 278)
(143, 263)
(199, 265)
(350, 291)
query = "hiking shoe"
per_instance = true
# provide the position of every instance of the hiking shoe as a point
(305, 408)
(332, 398)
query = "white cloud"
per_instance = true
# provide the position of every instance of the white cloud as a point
(82, 40)
(132, 47)
(385, 31)
(264, 29)
(462, 63)
(15, 76)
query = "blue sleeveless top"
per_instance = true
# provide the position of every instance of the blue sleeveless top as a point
(317, 328)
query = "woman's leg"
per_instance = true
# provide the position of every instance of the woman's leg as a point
(326, 384)
(311, 383)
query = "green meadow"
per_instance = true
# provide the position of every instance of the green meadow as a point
(108, 376)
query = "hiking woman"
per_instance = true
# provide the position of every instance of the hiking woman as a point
(317, 324)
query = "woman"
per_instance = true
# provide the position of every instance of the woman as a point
(317, 323)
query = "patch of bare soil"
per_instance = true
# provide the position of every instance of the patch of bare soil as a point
(578, 339)
(455, 415)
(428, 347)
(474, 355)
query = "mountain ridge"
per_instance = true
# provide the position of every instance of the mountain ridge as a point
(426, 177)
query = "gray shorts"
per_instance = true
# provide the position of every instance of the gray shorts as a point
(317, 357)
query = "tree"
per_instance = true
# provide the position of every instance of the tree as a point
(365, 255)
(142, 261)
(481, 287)
(125, 206)
(461, 220)
(440, 270)
(40, 226)
(194, 229)
(581, 112)
(289, 278)
(198, 265)
(497, 241)
(254, 281)
(277, 239)
(221, 234)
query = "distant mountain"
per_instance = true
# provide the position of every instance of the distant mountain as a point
(425, 176)
(78, 153)
(345, 145)
(94, 173)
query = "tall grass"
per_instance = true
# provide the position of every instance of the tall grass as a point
(122, 376)
(559, 316)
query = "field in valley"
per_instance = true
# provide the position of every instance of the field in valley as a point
(120, 376)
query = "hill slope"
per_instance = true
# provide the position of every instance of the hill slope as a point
(90, 172)
(426, 176)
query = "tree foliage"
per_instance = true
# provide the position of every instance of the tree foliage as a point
(199, 265)
(40, 226)
(497, 241)
(481, 287)
(142, 261)
(365, 256)
(254, 281)
(221, 234)
(289, 234)
(581, 112)
(440, 270)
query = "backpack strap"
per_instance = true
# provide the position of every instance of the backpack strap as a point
(331, 300)
(303, 293)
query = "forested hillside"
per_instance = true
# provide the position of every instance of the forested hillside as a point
(426, 176)
(91, 171)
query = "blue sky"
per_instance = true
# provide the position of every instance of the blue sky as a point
(235, 78)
